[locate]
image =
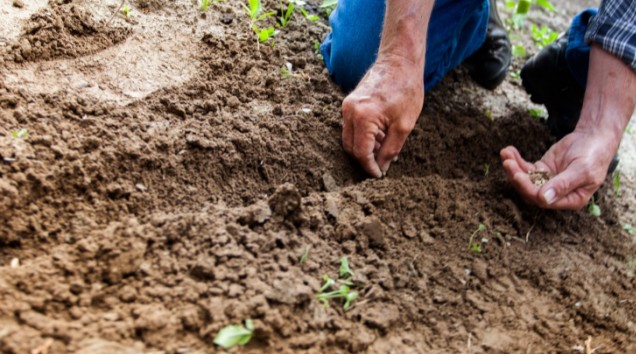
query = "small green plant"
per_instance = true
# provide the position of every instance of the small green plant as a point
(630, 229)
(538, 113)
(486, 168)
(519, 50)
(616, 179)
(286, 14)
(521, 8)
(125, 10)
(20, 133)
(308, 16)
(329, 6)
(317, 50)
(305, 256)
(593, 208)
(264, 34)
(543, 36)
(343, 292)
(476, 246)
(255, 11)
(233, 335)
(344, 269)
(204, 4)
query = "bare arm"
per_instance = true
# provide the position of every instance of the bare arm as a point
(580, 160)
(383, 109)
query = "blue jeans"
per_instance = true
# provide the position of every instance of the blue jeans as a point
(457, 28)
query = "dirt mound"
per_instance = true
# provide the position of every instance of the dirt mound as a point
(151, 226)
(63, 31)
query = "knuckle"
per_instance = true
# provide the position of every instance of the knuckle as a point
(403, 128)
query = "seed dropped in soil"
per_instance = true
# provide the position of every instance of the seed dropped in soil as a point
(539, 178)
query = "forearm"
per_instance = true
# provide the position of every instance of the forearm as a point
(405, 29)
(610, 97)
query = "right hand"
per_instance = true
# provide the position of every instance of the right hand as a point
(381, 112)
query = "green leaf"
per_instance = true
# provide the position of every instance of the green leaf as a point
(518, 50)
(344, 267)
(233, 335)
(546, 5)
(329, 3)
(522, 7)
(593, 209)
(328, 283)
(349, 298)
(305, 254)
(538, 113)
(617, 182)
(20, 133)
(630, 229)
(308, 16)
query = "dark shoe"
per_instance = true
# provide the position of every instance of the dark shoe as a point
(489, 65)
(548, 81)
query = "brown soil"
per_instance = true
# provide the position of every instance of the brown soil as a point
(151, 224)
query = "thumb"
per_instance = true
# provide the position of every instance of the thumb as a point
(560, 191)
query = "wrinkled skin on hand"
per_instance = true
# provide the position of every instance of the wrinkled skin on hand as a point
(381, 112)
(579, 163)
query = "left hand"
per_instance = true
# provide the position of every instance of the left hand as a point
(579, 163)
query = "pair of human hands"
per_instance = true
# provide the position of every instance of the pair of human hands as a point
(381, 112)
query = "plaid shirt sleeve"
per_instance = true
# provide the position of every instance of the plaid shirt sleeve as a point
(614, 29)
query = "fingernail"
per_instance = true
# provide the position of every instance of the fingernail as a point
(549, 196)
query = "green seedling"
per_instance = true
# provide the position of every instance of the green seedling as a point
(545, 4)
(593, 208)
(204, 4)
(317, 50)
(344, 269)
(264, 34)
(328, 284)
(344, 292)
(516, 74)
(125, 10)
(233, 335)
(305, 256)
(286, 15)
(519, 50)
(486, 168)
(255, 11)
(20, 133)
(537, 113)
(617, 182)
(329, 6)
(476, 247)
(308, 16)
(630, 229)
(286, 70)
(521, 8)
(543, 36)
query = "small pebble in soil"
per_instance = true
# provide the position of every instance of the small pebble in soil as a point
(18, 3)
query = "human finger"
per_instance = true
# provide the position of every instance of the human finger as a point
(569, 189)
(392, 144)
(363, 146)
(511, 153)
(347, 134)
